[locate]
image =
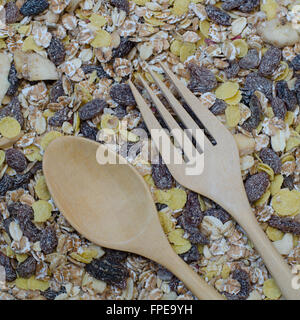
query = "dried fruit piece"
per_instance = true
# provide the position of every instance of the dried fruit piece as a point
(13, 109)
(16, 159)
(92, 109)
(250, 60)
(270, 61)
(30, 230)
(34, 7)
(12, 13)
(271, 289)
(6, 183)
(288, 96)
(233, 69)
(287, 225)
(59, 118)
(244, 280)
(88, 131)
(108, 271)
(218, 16)
(256, 82)
(286, 202)
(288, 182)
(279, 108)
(27, 268)
(192, 255)
(227, 90)
(56, 51)
(13, 80)
(220, 214)
(269, 157)
(202, 79)
(123, 49)
(5, 68)
(256, 114)
(256, 185)
(48, 240)
(248, 5)
(56, 91)
(51, 294)
(161, 176)
(10, 272)
(9, 127)
(42, 210)
(121, 4)
(218, 107)
(296, 63)
(88, 68)
(231, 4)
(121, 93)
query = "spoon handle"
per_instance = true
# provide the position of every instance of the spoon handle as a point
(188, 276)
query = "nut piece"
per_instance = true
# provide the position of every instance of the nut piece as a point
(279, 35)
(4, 68)
(34, 67)
(246, 145)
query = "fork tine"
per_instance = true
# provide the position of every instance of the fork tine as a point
(178, 108)
(180, 136)
(204, 115)
(152, 123)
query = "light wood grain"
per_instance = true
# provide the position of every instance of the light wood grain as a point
(111, 205)
(221, 180)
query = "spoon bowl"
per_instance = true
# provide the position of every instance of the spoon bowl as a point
(111, 205)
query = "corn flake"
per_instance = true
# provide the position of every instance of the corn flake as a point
(175, 47)
(174, 198)
(274, 234)
(270, 8)
(102, 39)
(227, 90)
(97, 20)
(49, 137)
(271, 290)
(180, 7)
(293, 141)
(41, 189)
(86, 256)
(233, 115)
(9, 127)
(2, 157)
(235, 99)
(29, 44)
(186, 50)
(204, 28)
(241, 46)
(276, 184)
(264, 167)
(165, 220)
(263, 199)
(286, 202)
(42, 210)
(33, 153)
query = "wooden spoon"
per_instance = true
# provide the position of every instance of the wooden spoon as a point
(111, 205)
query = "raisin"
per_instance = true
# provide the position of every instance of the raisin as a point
(218, 107)
(233, 69)
(231, 4)
(256, 114)
(13, 80)
(288, 96)
(89, 68)
(21, 180)
(6, 224)
(56, 51)
(110, 272)
(10, 272)
(256, 185)
(288, 182)
(121, 4)
(161, 176)
(92, 109)
(48, 240)
(256, 82)
(59, 118)
(285, 224)
(16, 159)
(27, 268)
(218, 16)
(121, 93)
(13, 109)
(30, 230)
(249, 5)
(244, 280)
(37, 166)
(297, 90)
(51, 294)
(21, 211)
(12, 13)
(250, 60)
(220, 214)
(192, 255)
(174, 284)
(88, 131)
(6, 184)
(269, 157)
(270, 61)
(123, 49)
(56, 91)
(279, 108)
(34, 7)
(120, 112)
(202, 79)
(296, 63)
(164, 274)
(115, 256)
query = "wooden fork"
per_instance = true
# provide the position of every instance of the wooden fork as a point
(221, 179)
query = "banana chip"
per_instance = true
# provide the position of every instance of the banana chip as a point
(41, 189)
(271, 290)
(286, 202)
(274, 234)
(9, 127)
(42, 210)
(233, 115)
(227, 90)
(48, 138)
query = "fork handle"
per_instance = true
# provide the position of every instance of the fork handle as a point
(276, 265)
(200, 288)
